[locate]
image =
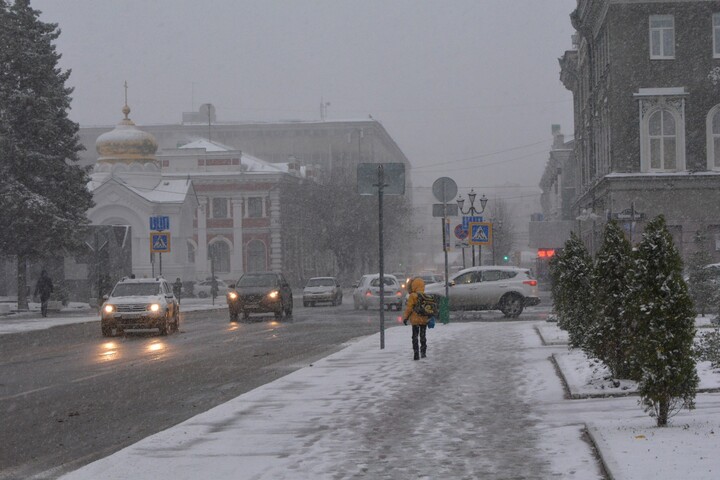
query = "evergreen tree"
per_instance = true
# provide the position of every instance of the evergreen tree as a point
(661, 308)
(43, 195)
(572, 273)
(609, 336)
(700, 282)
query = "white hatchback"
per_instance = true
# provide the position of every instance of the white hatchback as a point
(367, 292)
(508, 289)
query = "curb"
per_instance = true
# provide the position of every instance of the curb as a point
(606, 462)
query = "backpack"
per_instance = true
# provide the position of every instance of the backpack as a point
(426, 305)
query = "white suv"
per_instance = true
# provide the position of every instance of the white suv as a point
(508, 289)
(139, 303)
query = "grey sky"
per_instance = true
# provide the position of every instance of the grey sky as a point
(448, 79)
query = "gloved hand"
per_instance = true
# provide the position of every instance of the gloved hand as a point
(405, 321)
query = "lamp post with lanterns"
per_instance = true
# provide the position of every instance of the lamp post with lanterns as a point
(473, 211)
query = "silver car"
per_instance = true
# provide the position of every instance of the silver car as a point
(367, 292)
(508, 289)
(322, 289)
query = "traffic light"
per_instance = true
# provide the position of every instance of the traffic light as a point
(506, 258)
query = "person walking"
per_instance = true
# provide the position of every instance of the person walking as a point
(419, 322)
(43, 288)
(177, 288)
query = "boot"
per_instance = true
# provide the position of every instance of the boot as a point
(423, 355)
(416, 356)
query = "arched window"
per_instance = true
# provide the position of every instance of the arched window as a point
(219, 252)
(713, 138)
(662, 134)
(256, 257)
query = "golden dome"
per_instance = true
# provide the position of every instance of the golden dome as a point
(126, 143)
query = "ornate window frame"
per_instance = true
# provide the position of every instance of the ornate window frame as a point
(671, 100)
(711, 138)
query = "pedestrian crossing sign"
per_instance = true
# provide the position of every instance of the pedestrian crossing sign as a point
(480, 233)
(160, 242)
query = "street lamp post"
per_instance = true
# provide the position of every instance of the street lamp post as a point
(473, 211)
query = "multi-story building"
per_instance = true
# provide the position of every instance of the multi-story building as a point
(644, 76)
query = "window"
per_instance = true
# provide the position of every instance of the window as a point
(219, 208)
(492, 275)
(662, 129)
(256, 257)
(716, 35)
(219, 253)
(465, 278)
(663, 149)
(254, 207)
(662, 36)
(713, 139)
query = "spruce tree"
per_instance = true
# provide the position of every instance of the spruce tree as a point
(609, 335)
(43, 194)
(700, 281)
(572, 273)
(661, 308)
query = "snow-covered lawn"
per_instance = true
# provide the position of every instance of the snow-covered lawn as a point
(629, 443)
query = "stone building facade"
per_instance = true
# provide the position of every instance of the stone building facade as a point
(644, 78)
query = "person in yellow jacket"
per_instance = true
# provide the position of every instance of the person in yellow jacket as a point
(418, 322)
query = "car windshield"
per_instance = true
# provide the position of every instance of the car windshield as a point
(257, 281)
(321, 282)
(136, 289)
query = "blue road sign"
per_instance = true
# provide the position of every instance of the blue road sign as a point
(480, 233)
(467, 219)
(160, 242)
(160, 223)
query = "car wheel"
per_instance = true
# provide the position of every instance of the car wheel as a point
(355, 305)
(511, 305)
(106, 330)
(176, 323)
(365, 306)
(202, 294)
(305, 304)
(279, 313)
(233, 316)
(246, 316)
(165, 326)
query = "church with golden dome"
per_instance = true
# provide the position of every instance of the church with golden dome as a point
(128, 189)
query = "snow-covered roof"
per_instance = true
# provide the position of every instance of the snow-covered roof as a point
(167, 191)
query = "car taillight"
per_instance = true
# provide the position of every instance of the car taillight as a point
(532, 283)
(398, 293)
(368, 293)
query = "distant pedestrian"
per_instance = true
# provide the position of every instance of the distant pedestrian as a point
(419, 322)
(43, 288)
(177, 288)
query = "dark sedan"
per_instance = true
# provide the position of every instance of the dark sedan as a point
(260, 292)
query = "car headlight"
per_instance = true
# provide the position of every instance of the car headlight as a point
(274, 294)
(233, 295)
(109, 308)
(154, 307)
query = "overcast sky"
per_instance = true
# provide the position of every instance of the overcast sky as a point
(471, 84)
